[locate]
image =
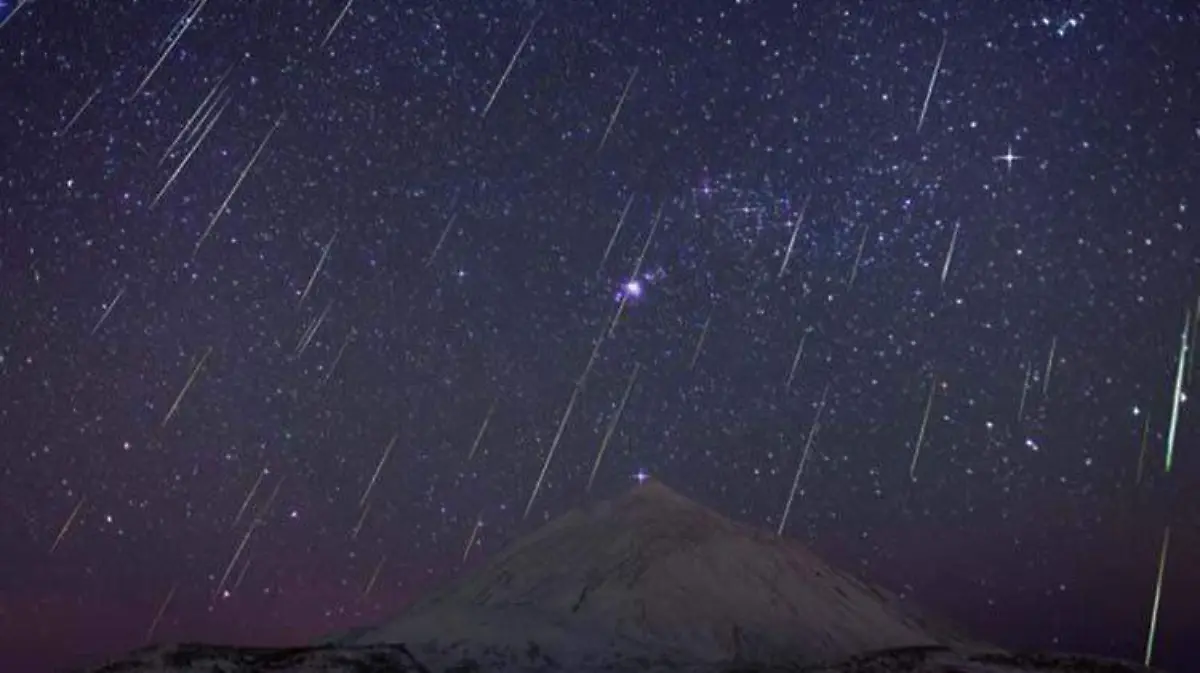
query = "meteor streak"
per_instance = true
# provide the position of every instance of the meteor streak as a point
(186, 386)
(937, 68)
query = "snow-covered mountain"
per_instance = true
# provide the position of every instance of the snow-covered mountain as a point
(654, 574)
(648, 582)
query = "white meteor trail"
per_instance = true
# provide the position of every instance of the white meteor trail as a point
(180, 28)
(261, 515)
(937, 68)
(79, 113)
(949, 254)
(1177, 396)
(616, 232)
(162, 609)
(700, 342)
(361, 519)
(508, 70)
(111, 305)
(317, 269)
(312, 330)
(471, 539)
(374, 576)
(188, 157)
(912, 468)
(613, 119)
(1162, 566)
(562, 424)
(237, 553)
(249, 497)
(242, 573)
(378, 468)
(186, 386)
(812, 435)
(201, 113)
(441, 240)
(812, 431)
(62, 532)
(229, 197)
(20, 4)
(482, 430)
(337, 358)
(862, 244)
(1049, 367)
(787, 256)
(796, 361)
(612, 425)
(337, 22)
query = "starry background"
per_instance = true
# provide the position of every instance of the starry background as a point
(1035, 513)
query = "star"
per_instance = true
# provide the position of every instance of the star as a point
(1007, 158)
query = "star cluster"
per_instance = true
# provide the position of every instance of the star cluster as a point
(297, 298)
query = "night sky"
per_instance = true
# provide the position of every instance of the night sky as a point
(394, 223)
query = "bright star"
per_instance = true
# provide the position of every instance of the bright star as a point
(1007, 158)
(631, 291)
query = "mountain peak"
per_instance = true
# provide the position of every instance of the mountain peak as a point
(653, 571)
(652, 493)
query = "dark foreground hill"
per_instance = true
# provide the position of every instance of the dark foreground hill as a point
(398, 659)
(649, 582)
